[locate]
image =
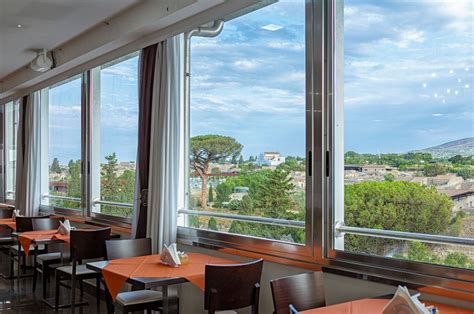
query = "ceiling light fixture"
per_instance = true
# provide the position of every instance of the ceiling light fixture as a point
(42, 62)
(19, 25)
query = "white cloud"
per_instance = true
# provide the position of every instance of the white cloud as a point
(272, 27)
(246, 64)
(62, 110)
(406, 38)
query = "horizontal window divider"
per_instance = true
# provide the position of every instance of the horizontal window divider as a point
(59, 197)
(263, 220)
(110, 203)
(401, 235)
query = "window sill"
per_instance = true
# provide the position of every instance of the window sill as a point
(447, 287)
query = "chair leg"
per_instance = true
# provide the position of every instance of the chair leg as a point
(35, 272)
(97, 287)
(12, 264)
(81, 287)
(56, 296)
(73, 290)
(45, 279)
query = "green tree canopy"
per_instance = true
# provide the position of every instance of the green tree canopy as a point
(398, 206)
(432, 170)
(55, 167)
(211, 148)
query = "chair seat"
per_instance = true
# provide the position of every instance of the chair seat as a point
(138, 297)
(51, 258)
(6, 240)
(81, 270)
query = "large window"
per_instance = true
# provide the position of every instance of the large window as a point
(247, 171)
(114, 136)
(403, 130)
(11, 114)
(61, 145)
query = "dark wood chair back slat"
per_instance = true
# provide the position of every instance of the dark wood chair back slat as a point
(128, 248)
(24, 224)
(229, 287)
(6, 212)
(89, 244)
(304, 291)
(46, 224)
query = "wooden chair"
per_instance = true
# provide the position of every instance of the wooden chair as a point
(231, 287)
(142, 300)
(6, 212)
(302, 292)
(42, 262)
(16, 252)
(84, 245)
(5, 236)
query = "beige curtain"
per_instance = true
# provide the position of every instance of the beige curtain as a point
(163, 184)
(27, 195)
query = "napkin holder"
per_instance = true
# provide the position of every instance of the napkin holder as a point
(403, 302)
(64, 227)
(169, 256)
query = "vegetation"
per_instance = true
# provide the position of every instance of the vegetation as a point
(398, 206)
(211, 148)
(113, 187)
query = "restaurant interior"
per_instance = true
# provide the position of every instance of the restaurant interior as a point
(236, 156)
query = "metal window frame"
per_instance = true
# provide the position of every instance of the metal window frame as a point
(410, 271)
(86, 141)
(312, 249)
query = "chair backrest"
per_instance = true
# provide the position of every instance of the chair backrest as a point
(229, 287)
(6, 212)
(304, 291)
(24, 224)
(128, 248)
(89, 244)
(46, 224)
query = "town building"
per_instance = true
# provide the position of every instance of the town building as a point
(272, 159)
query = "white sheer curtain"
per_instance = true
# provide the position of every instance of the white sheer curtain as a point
(27, 196)
(163, 184)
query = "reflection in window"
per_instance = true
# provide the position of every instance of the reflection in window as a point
(247, 124)
(408, 127)
(61, 144)
(114, 136)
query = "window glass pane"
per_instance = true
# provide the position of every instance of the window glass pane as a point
(408, 126)
(247, 124)
(115, 136)
(11, 126)
(61, 144)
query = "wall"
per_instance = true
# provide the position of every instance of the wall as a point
(337, 288)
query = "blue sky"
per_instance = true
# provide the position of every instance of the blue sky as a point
(118, 115)
(408, 82)
(249, 82)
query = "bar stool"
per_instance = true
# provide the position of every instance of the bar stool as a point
(84, 245)
(135, 300)
(231, 287)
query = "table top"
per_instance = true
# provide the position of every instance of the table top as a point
(140, 282)
(375, 306)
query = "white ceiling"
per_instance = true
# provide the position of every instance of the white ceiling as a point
(47, 24)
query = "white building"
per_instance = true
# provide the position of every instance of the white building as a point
(270, 159)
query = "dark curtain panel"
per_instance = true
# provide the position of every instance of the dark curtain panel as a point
(145, 98)
(20, 156)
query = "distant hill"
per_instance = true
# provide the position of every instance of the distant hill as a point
(463, 147)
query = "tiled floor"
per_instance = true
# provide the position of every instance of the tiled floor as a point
(14, 299)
